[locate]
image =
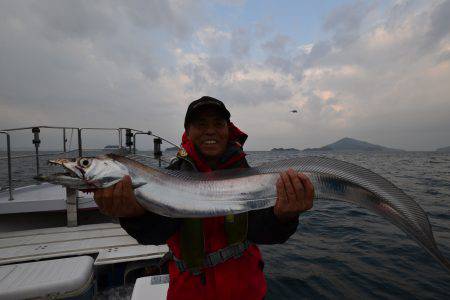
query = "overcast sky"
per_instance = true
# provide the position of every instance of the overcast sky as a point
(373, 70)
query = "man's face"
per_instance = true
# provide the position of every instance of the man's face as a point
(209, 132)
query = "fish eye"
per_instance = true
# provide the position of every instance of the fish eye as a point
(84, 162)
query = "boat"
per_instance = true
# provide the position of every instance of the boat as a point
(54, 242)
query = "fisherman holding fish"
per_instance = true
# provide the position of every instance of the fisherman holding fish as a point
(212, 218)
(216, 257)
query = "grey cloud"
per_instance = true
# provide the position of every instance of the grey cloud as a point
(240, 43)
(277, 45)
(176, 16)
(318, 52)
(231, 2)
(280, 53)
(89, 64)
(347, 17)
(280, 64)
(345, 21)
(263, 28)
(74, 19)
(316, 109)
(251, 92)
(445, 56)
(393, 88)
(440, 22)
(211, 69)
(220, 65)
(87, 19)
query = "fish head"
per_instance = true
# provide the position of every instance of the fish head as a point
(87, 173)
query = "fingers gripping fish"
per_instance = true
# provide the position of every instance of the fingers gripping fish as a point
(181, 194)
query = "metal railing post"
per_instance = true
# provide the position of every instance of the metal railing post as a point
(71, 207)
(128, 139)
(80, 147)
(10, 187)
(8, 151)
(36, 142)
(64, 140)
(120, 137)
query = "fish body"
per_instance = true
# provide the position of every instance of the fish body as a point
(187, 194)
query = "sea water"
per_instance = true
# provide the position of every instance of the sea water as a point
(343, 251)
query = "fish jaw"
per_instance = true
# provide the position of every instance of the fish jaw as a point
(70, 165)
(100, 173)
(66, 180)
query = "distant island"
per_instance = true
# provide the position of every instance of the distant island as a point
(110, 147)
(287, 149)
(444, 149)
(172, 149)
(349, 144)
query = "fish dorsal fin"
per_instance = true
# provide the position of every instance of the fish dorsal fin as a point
(212, 176)
(129, 161)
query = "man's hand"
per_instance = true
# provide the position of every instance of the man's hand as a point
(118, 200)
(295, 194)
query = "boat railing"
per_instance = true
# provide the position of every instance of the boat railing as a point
(129, 145)
(8, 151)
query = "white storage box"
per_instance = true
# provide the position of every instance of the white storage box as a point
(57, 278)
(151, 287)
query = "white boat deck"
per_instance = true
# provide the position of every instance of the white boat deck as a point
(40, 197)
(108, 242)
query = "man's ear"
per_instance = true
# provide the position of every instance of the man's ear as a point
(187, 132)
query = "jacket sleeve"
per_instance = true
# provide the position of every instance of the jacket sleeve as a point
(264, 227)
(151, 228)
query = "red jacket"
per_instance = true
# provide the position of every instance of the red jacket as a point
(240, 278)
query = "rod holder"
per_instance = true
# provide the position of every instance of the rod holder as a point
(36, 142)
(80, 146)
(64, 140)
(128, 138)
(157, 149)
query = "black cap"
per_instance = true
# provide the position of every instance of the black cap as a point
(203, 102)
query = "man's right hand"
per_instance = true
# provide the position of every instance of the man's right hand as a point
(119, 200)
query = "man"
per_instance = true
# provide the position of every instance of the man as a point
(213, 258)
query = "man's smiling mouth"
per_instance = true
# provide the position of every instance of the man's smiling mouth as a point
(210, 142)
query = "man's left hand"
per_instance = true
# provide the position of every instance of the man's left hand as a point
(295, 194)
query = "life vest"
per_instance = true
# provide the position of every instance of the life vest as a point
(235, 278)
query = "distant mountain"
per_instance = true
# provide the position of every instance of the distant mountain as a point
(111, 147)
(172, 149)
(349, 144)
(287, 149)
(444, 149)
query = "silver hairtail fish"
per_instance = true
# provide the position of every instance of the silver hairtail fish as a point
(181, 194)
